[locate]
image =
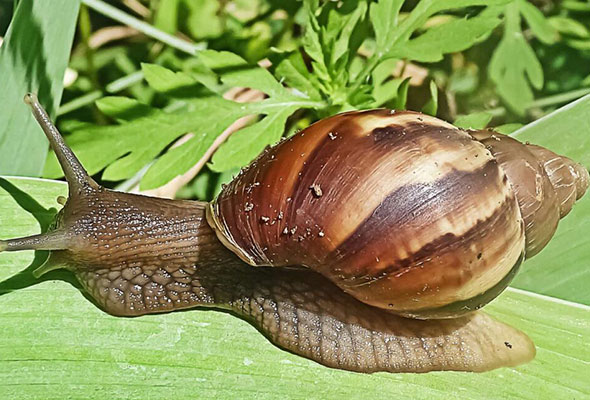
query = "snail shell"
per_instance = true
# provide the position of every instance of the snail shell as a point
(401, 210)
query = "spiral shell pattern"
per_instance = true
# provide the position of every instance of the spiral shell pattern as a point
(401, 210)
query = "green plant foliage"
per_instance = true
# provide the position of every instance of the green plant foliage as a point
(126, 148)
(514, 67)
(33, 58)
(195, 104)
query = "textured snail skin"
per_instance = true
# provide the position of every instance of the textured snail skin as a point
(452, 205)
(178, 263)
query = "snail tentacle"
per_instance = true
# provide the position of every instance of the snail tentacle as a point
(76, 176)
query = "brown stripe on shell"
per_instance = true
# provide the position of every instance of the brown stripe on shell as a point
(271, 214)
(393, 156)
(277, 183)
(424, 247)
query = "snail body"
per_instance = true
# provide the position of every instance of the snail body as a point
(353, 224)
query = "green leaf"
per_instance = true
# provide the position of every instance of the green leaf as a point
(432, 105)
(294, 73)
(346, 18)
(513, 62)
(385, 87)
(33, 58)
(541, 28)
(576, 5)
(569, 26)
(476, 120)
(417, 17)
(384, 17)
(123, 108)
(203, 18)
(561, 269)
(244, 145)
(145, 132)
(164, 80)
(311, 41)
(55, 344)
(454, 36)
(209, 119)
(399, 103)
(507, 129)
(166, 16)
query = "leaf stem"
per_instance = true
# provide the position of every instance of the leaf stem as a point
(143, 27)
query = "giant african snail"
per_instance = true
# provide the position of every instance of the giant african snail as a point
(376, 213)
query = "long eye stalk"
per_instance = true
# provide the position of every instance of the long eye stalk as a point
(78, 182)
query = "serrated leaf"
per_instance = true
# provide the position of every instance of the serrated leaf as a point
(33, 58)
(456, 35)
(341, 46)
(204, 19)
(417, 17)
(294, 73)
(311, 41)
(384, 17)
(213, 118)
(514, 64)
(217, 355)
(541, 28)
(244, 145)
(127, 148)
(476, 120)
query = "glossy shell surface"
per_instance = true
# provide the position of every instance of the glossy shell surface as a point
(401, 210)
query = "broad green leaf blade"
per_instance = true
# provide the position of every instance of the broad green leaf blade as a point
(55, 344)
(565, 131)
(33, 58)
(562, 269)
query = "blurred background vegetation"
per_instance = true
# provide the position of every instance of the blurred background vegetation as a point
(138, 126)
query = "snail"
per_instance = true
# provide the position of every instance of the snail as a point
(366, 242)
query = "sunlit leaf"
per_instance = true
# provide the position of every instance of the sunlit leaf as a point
(33, 58)
(55, 344)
